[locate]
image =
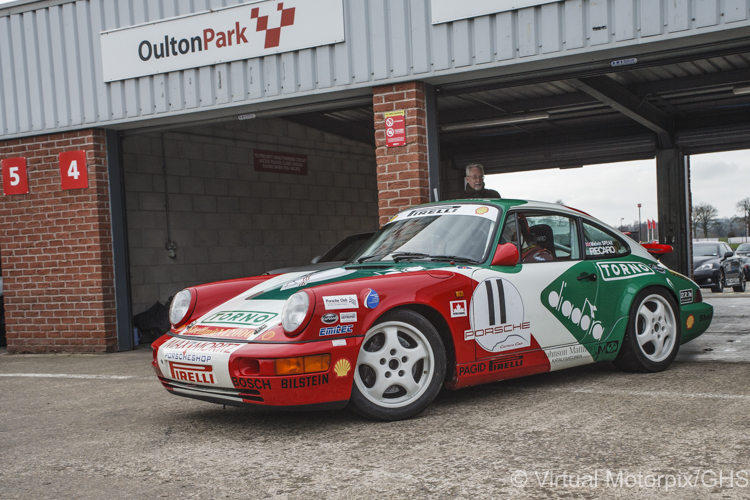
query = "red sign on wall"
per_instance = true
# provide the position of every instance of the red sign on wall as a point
(15, 179)
(73, 172)
(280, 163)
(395, 128)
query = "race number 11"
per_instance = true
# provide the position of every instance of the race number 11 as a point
(15, 180)
(73, 173)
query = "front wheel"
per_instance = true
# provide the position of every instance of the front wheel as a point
(743, 284)
(719, 287)
(400, 369)
(652, 338)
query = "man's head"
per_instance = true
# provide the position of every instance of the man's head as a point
(475, 176)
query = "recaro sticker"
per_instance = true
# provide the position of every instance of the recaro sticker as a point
(612, 271)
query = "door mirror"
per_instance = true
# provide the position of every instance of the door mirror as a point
(506, 255)
(728, 254)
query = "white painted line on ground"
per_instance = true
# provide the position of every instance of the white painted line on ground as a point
(661, 394)
(64, 375)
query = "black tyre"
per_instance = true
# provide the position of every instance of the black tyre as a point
(400, 369)
(653, 335)
(719, 287)
(743, 284)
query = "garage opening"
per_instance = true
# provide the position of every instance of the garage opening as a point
(236, 199)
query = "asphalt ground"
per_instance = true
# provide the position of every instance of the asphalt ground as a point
(102, 427)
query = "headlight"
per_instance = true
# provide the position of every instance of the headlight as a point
(705, 267)
(295, 311)
(180, 307)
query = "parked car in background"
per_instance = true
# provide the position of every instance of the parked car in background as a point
(743, 249)
(715, 266)
(336, 256)
(450, 294)
(746, 265)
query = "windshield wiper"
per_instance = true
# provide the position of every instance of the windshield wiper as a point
(453, 257)
(398, 256)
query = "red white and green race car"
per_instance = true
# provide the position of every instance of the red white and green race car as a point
(449, 294)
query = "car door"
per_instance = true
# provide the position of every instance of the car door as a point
(537, 303)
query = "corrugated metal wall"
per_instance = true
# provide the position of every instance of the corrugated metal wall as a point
(50, 58)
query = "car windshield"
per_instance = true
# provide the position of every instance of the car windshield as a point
(441, 232)
(744, 247)
(705, 250)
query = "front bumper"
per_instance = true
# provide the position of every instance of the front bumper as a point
(707, 278)
(242, 374)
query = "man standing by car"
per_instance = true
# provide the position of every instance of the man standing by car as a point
(475, 183)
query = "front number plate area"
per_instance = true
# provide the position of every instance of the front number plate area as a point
(196, 362)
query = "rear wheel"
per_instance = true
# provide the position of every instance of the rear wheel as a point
(400, 368)
(719, 287)
(652, 338)
(743, 284)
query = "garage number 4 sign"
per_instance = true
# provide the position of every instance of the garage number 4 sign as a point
(73, 172)
(15, 180)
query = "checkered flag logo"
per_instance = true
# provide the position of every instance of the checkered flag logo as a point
(273, 35)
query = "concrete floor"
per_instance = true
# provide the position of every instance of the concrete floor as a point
(79, 426)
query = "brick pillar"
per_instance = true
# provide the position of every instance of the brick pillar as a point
(56, 251)
(403, 179)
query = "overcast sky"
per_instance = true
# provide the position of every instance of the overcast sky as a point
(612, 191)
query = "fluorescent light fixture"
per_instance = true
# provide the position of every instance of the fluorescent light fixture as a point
(741, 90)
(507, 120)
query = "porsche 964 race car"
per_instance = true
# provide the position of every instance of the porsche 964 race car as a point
(449, 294)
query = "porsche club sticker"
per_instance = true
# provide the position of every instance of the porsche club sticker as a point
(342, 367)
(458, 308)
(341, 302)
(611, 271)
(497, 317)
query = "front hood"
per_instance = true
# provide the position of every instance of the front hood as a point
(248, 315)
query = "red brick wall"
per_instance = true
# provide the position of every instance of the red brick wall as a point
(403, 179)
(56, 251)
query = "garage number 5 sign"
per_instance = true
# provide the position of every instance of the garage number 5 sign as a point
(73, 172)
(395, 128)
(15, 180)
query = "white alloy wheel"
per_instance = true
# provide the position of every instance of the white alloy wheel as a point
(395, 365)
(656, 328)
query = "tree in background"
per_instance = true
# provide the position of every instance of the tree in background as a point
(743, 206)
(703, 215)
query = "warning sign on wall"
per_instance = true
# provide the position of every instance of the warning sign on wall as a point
(395, 128)
(280, 163)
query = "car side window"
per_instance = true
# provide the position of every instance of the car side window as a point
(509, 234)
(547, 237)
(602, 244)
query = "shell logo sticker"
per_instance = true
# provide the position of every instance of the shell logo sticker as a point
(482, 210)
(268, 335)
(690, 322)
(342, 367)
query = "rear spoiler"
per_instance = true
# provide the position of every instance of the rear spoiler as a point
(657, 248)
